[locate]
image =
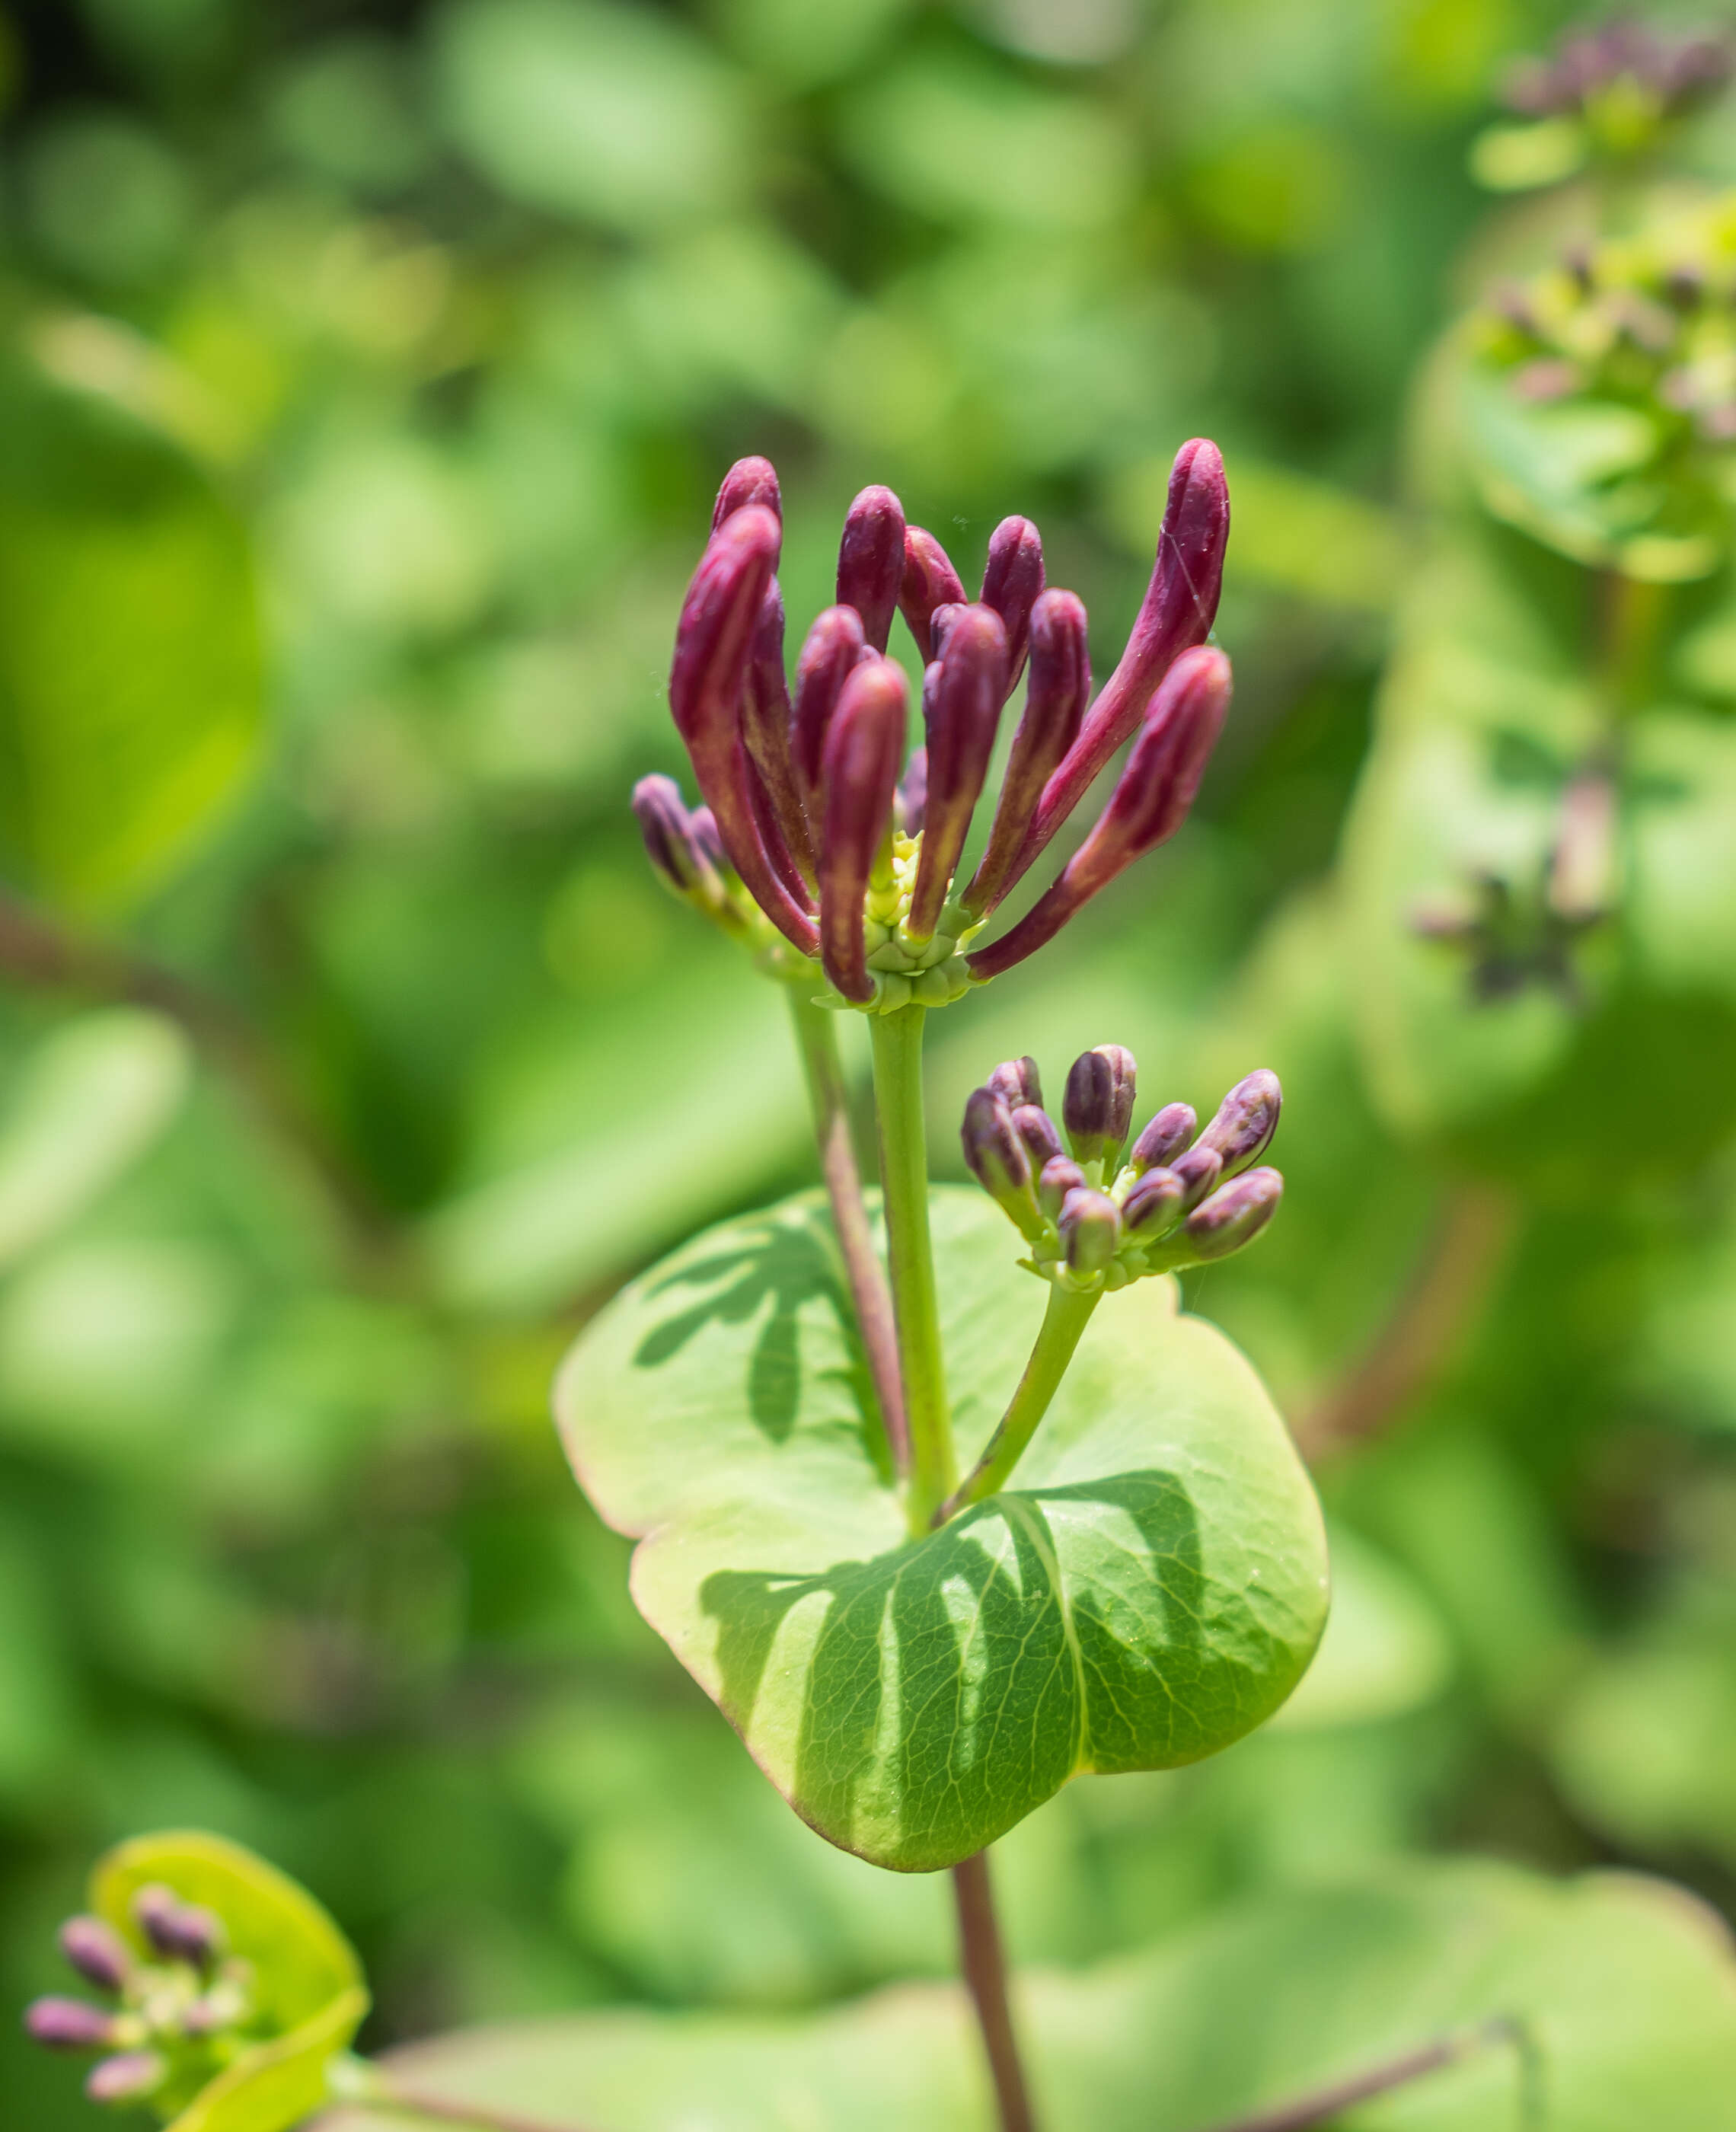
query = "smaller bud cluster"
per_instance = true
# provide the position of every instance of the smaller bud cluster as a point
(1644, 324)
(173, 2015)
(840, 859)
(1642, 69)
(1094, 1221)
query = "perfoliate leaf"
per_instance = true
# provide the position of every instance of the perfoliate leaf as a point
(306, 1982)
(1151, 1588)
(1620, 1987)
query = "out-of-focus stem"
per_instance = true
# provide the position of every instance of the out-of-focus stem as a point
(984, 1963)
(897, 1093)
(816, 1029)
(1327, 2104)
(1064, 1320)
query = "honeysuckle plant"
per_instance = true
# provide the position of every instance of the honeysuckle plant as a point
(927, 1589)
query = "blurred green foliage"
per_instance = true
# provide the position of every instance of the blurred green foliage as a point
(366, 373)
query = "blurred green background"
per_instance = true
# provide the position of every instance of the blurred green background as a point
(366, 373)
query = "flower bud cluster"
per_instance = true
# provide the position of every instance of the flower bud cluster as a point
(175, 2013)
(1640, 69)
(1095, 1220)
(819, 843)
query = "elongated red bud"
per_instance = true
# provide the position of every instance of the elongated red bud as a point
(962, 711)
(832, 649)
(1054, 702)
(864, 750)
(1012, 578)
(708, 680)
(1149, 803)
(1179, 608)
(1166, 1134)
(929, 581)
(748, 481)
(871, 561)
(765, 733)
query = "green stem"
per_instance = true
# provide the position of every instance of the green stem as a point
(898, 1094)
(1065, 1320)
(816, 1029)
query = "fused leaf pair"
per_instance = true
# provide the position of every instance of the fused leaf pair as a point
(1094, 1223)
(817, 835)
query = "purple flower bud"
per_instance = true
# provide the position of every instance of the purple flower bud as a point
(179, 1931)
(961, 712)
(997, 1159)
(1235, 1215)
(96, 1949)
(832, 651)
(131, 2077)
(1058, 1176)
(1090, 1223)
(1154, 1206)
(929, 582)
(667, 830)
(748, 481)
(1198, 1171)
(1036, 1128)
(864, 750)
(940, 624)
(1149, 803)
(1060, 689)
(1016, 1081)
(68, 2025)
(1012, 579)
(1098, 1106)
(765, 734)
(1246, 1119)
(1180, 606)
(1166, 1134)
(702, 827)
(871, 561)
(713, 643)
(913, 793)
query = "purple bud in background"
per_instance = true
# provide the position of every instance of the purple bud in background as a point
(1198, 1172)
(1036, 1128)
(1154, 1206)
(153, 1908)
(929, 581)
(1246, 1119)
(864, 750)
(1060, 689)
(962, 709)
(179, 1931)
(765, 734)
(1179, 608)
(667, 830)
(1058, 1177)
(833, 648)
(1235, 1215)
(96, 1949)
(1098, 1106)
(68, 2025)
(702, 827)
(1012, 579)
(1149, 803)
(871, 561)
(131, 2077)
(912, 793)
(997, 1159)
(1166, 1134)
(1090, 1223)
(1016, 1081)
(713, 643)
(748, 481)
